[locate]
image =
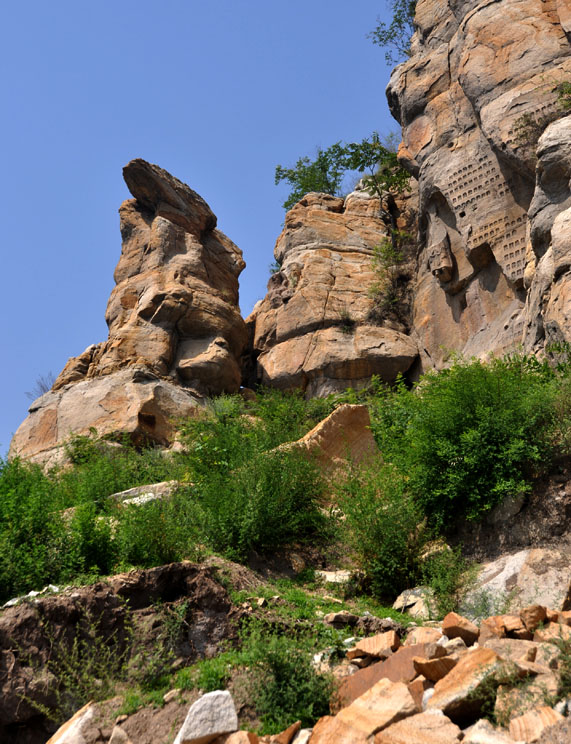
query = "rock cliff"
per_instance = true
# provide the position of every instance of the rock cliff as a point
(317, 329)
(175, 329)
(482, 77)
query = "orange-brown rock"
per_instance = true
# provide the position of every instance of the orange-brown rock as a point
(482, 732)
(383, 704)
(315, 329)
(434, 669)
(418, 687)
(380, 645)
(286, 737)
(512, 702)
(492, 627)
(456, 626)
(532, 616)
(553, 632)
(531, 725)
(175, 330)
(344, 436)
(487, 279)
(457, 693)
(397, 668)
(430, 727)
(239, 737)
(423, 634)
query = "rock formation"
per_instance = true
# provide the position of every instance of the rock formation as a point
(480, 76)
(175, 329)
(316, 328)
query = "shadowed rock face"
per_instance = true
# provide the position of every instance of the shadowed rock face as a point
(315, 328)
(175, 330)
(475, 70)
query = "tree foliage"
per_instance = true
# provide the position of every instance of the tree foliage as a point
(394, 37)
(324, 174)
(373, 157)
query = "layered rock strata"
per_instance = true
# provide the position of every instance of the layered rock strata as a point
(479, 71)
(175, 329)
(316, 328)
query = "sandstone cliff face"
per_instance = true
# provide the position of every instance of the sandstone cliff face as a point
(485, 278)
(316, 328)
(175, 330)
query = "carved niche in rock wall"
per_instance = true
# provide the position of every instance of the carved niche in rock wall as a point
(440, 260)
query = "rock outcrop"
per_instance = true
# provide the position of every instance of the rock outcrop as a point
(487, 280)
(316, 328)
(175, 329)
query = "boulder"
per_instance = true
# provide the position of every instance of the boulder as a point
(399, 667)
(344, 436)
(456, 626)
(430, 727)
(534, 576)
(457, 693)
(532, 724)
(383, 704)
(482, 732)
(72, 731)
(380, 645)
(175, 330)
(210, 716)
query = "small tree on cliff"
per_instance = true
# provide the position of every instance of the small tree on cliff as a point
(324, 174)
(395, 36)
(373, 157)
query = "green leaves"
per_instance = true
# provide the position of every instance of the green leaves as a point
(324, 174)
(384, 175)
(395, 36)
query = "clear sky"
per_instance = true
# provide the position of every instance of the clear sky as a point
(218, 92)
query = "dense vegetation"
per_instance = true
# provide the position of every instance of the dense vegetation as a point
(453, 447)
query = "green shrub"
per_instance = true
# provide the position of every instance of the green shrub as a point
(286, 687)
(468, 436)
(384, 527)
(272, 500)
(445, 573)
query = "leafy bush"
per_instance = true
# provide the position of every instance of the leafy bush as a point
(468, 436)
(445, 573)
(384, 528)
(286, 686)
(269, 502)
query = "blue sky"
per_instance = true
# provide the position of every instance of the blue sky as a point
(218, 92)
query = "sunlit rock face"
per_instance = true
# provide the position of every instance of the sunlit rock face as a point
(476, 69)
(316, 328)
(175, 329)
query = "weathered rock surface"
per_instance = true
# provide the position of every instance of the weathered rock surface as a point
(531, 725)
(384, 703)
(536, 576)
(72, 731)
(175, 330)
(344, 436)
(486, 278)
(457, 693)
(316, 327)
(430, 727)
